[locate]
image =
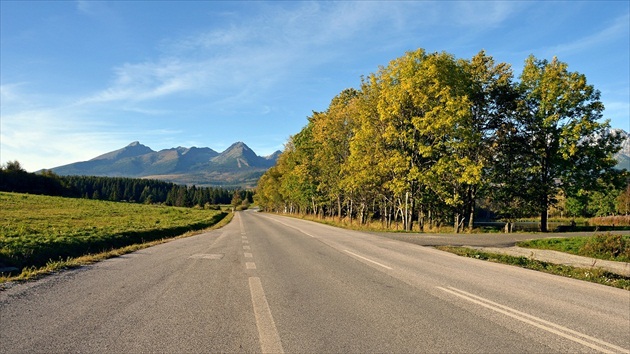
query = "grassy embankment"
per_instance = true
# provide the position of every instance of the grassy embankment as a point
(41, 234)
(604, 246)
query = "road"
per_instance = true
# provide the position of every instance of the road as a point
(274, 284)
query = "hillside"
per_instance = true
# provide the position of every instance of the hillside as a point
(237, 166)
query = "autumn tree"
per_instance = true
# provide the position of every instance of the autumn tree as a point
(568, 147)
(332, 132)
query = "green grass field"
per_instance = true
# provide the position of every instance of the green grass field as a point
(36, 230)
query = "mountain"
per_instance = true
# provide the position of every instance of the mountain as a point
(623, 155)
(237, 166)
(240, 155)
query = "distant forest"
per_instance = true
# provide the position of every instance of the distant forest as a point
(13, 178)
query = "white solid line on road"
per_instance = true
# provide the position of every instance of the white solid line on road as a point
(248, 255)
(538, 322)
(267, 332)
(369, 260)
(250, 265)
(246, 247)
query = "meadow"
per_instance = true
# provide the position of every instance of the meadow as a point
(36, 230)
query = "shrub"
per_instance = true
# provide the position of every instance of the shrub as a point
(617, 247)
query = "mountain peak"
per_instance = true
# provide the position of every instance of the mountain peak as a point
(133, 149)
(239, 145)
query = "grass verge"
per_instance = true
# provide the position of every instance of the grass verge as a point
(603, 246)
(30, 273)
(595, 275)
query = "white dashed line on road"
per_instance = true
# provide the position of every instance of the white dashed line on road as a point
(267, 331)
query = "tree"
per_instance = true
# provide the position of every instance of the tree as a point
(568, 147)
(492, 96)
(332, 133)
(13, 166)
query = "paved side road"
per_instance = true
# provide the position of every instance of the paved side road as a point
(506, 244)
(481, 240)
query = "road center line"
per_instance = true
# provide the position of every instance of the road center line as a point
(240, 222)
(538, 322)
(250, 265)
(267, 332)
(369, 260)
(248, 255)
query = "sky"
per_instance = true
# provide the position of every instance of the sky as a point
(82, 78)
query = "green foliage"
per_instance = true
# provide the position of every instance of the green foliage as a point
(36, 229)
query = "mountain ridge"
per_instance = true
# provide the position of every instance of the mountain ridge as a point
(237, 166)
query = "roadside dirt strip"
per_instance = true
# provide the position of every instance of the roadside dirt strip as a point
(621, 268)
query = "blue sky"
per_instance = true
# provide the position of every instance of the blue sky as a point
(81, 78)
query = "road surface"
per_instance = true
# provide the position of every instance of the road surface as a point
(266, 283)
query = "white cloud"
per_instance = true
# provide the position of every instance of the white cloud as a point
(39, 138)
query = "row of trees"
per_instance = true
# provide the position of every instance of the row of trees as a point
(427, 137)
(13, 178)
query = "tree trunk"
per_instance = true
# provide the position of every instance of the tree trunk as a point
(421, 218)
(456, 226)
(543, 221)
(339, 206)
(406, 216)
(471, 218)
(350, 212)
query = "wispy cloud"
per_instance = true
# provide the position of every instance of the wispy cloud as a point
(485, 14)
(9, 93)
(617, 27)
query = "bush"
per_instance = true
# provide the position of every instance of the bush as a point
(616, 247)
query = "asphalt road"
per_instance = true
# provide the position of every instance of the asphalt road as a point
(274, 284)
